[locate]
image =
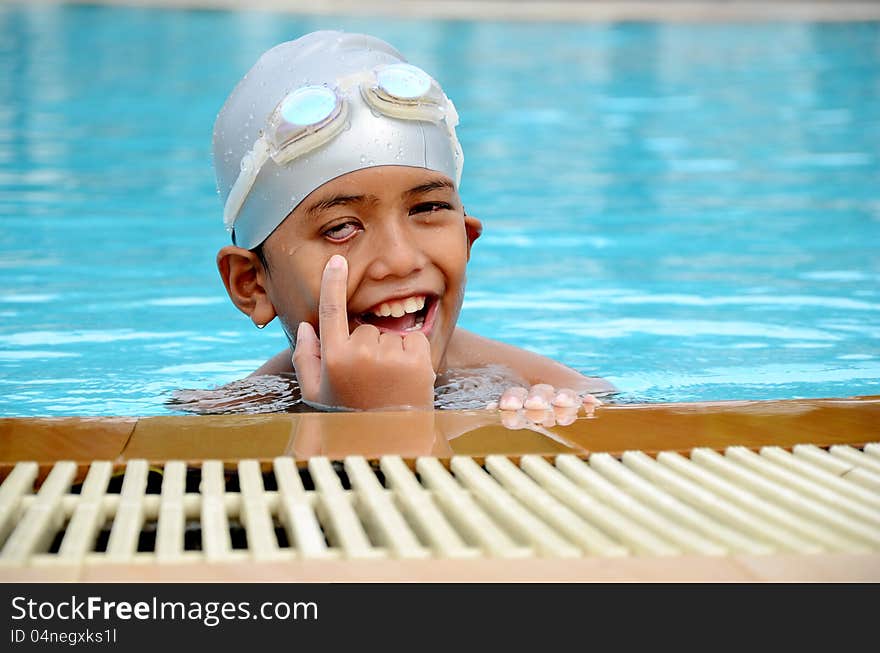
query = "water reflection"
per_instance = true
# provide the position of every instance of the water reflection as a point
(456, 389)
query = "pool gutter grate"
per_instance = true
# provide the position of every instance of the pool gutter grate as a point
(806, 500)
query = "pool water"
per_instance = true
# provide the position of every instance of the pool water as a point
(690, 211)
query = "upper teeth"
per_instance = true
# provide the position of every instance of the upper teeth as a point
(398, 308)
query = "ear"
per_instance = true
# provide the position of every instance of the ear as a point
(245, 279)
(474, 228)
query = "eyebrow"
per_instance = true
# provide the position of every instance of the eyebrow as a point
(338, 200)
(345, 200)
(436, 184)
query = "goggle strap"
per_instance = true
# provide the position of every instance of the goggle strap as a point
(433, 107)
(252, 163)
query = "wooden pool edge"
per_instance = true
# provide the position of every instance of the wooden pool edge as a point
(612, 428)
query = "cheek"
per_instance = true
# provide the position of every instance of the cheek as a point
(294, 293)
(448, 248)
(309, 297)
(448, 251)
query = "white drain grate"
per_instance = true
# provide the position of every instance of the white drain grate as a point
(809, 500)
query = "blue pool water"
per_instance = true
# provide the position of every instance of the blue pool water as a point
(691, 211)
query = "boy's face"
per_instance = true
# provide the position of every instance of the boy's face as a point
(407, 241)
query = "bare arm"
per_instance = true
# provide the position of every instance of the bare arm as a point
(280, 363)
(468, 349)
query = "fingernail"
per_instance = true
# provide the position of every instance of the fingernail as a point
(564, 400)
(536, 403)
(510, 403)
(336, 262)
(300, 331)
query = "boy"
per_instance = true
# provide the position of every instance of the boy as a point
(340, 168)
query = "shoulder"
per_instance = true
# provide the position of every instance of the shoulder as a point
(467, 349)
(280, 363)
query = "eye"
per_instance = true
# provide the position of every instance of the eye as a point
(430, 207)
(341, 232)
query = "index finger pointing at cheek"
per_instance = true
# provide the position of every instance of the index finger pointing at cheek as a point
(332, 312)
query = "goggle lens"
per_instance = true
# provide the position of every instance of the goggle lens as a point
(313, 115)
(308, 106)
(404, 81)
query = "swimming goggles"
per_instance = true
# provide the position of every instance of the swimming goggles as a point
(312, 115)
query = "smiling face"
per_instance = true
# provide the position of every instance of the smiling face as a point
(407, 240)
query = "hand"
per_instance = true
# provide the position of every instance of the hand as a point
(362, 370)
(542, 396)
(543, 405)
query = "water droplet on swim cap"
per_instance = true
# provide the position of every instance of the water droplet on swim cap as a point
(342, 62)
(404, 81)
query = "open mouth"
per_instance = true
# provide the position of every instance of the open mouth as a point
(405, 315)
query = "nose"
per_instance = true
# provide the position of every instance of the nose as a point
(396, 251)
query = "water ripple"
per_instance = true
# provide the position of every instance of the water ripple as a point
(750, 300)
(620, 328)
(77, 336)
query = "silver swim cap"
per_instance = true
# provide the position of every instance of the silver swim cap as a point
(316, 108)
